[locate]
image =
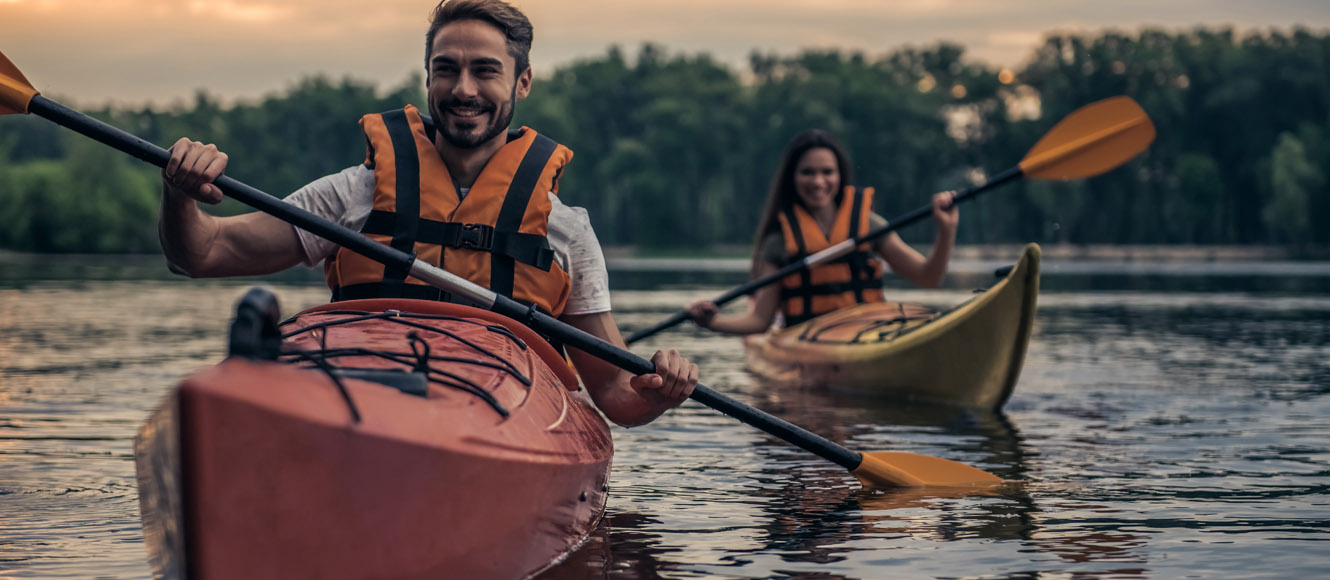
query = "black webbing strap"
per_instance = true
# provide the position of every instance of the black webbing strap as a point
(805, 275)
(515, 202)
(407, 162)
(531, 249)
(832, 288)
(861, 280)
(856, 266)
(377, 290)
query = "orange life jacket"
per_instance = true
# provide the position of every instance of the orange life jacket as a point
(851, 279)
(495, 237)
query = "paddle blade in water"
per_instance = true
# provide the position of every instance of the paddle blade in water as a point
(884, 469)
(15, 91)
(1095, 138)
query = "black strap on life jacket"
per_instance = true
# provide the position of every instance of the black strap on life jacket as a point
(519, 194)
(861, 281)
(404, 227)
(530, 249)
(503, 241)
(807, 291)
(805, 275)
(857, 267)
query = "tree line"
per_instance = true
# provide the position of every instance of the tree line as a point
(676, 151)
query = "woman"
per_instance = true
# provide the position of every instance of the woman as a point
(811, 207)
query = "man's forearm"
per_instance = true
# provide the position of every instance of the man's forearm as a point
(610, 386)
(186, 234)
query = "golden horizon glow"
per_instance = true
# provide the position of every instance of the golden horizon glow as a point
(246, 12)
(161, 51)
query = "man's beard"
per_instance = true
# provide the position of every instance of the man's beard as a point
(502, 117)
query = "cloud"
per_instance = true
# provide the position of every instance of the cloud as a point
(159, 50)
(247, 12)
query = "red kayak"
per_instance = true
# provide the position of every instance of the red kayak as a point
(373, 439)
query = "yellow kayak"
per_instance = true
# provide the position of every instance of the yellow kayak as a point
(970, 355)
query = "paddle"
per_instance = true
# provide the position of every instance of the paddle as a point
(1091, 140)
(881, 469)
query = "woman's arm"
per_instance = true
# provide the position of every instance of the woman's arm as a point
(913, 266)
(761, 309)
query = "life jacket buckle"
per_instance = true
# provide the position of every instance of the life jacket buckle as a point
(476, 236)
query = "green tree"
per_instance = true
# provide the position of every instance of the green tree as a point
(1293, 181)
(677, 151)
(1195, 211)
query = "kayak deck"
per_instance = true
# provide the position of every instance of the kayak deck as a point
(335, 462)
(970, 355)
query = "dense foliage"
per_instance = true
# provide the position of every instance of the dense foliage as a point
(677, 151)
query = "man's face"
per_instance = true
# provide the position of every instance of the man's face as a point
(471, 83)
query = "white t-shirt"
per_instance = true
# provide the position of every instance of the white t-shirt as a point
(347, 198)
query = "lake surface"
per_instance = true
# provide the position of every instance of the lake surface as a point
(1170, 422)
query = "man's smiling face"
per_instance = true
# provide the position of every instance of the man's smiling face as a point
(472, 85)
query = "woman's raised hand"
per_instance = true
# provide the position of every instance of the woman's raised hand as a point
(944, 211)
(703, 312)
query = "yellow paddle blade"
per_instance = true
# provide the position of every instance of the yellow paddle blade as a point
(881, 500)
(1093, 139)
(15, 91)
(884, 469)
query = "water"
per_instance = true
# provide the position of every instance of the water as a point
(1166, 425)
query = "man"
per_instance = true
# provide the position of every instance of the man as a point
(480, 199)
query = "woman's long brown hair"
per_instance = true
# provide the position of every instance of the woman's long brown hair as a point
(783, 194)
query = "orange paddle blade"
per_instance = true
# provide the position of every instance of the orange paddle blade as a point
(1093, 139)
(884, 469)
(15, 91)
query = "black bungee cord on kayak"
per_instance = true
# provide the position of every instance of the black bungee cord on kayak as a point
(444, 378)
(418, 359)
(341, 387)
(255, 335)
(401, 318)
(420, 348)
(900, 322)
(899, 325)
(405, 358)
(877, 329)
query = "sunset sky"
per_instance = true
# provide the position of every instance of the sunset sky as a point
(135, 51)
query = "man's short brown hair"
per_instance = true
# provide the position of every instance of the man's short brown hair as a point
(508, 19)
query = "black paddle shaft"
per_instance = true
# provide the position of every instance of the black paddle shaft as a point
(388, 255)
(795, 267)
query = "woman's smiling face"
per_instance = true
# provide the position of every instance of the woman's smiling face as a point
(817, 178)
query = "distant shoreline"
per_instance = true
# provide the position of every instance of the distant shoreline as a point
(1058, 260)
(999, 252)
(1051, 252)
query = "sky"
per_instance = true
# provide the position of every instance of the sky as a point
(133, 52)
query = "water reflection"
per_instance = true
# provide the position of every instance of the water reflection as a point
(620, 548)
(20, 271)
(1278, 345)
(841, 514)
(1288, 278)
(815, 518)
